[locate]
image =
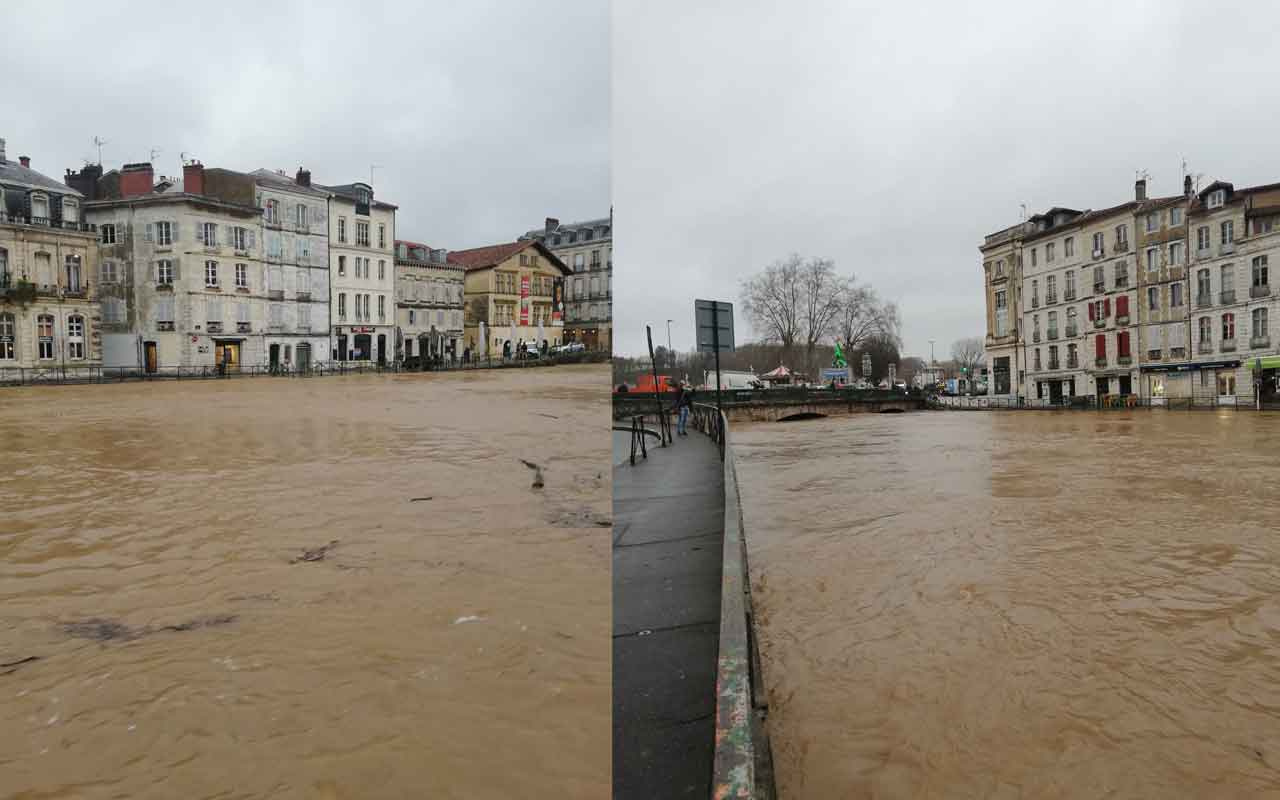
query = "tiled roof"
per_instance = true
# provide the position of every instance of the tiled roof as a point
(283, 181)
(485, 257)
(348, 191)
(565, 227)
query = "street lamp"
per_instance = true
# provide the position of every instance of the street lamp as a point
(932, 360)
(668, 336)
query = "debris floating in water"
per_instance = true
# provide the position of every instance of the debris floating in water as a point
(12, 666)
(418, 499)
(461, 620)
(315, 554)
(537, 473)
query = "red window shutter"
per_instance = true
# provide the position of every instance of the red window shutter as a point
(1091, 312)
(1122, 343)
(1122, 306)
(1107, 312)
(1101, 342)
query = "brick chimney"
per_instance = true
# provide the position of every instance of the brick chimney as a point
(136, 179)
(25, 161)
(193, 178)
(550, 226)
(304, 177)
(1, 151)
(1140, 189)
(1186, 185)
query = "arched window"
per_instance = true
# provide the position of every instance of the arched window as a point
(75, 336)
(8, 337)
(44, 337)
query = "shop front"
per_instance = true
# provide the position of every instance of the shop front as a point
(1199, 383)
(1266, 380)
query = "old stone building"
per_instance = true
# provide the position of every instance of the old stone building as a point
(362, 233)
(1167, 299)
(185, 271)
(511, 297)
(48, 273)
(587, 249)
(429, 302)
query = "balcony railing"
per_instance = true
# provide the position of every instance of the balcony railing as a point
(1099, 253)
(1122, 319)
(1204, 252)
(1204, 300)
(166, 325)
(1072, 332)
(1073, 363)
(1226, 248)
(1124, 361)
(1100, 322)
(275, 294)
(1099, 288)
(1204, 348)
(1261, 290)
(45, 222)
(1177, 353)
(1122, 281)
(244, 327)
(1053, 333)
(1035, 302)
(213, 327)
(1228, 345)
(1055, 365)
(304, 297)
(1121, 247)
(1227, 297)
(1100, 361)
(1259, 342)
(1035, 337)
(1154, 355)
(1050, 299)
(1069, 295)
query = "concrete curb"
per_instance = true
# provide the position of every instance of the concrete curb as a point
(743, 766)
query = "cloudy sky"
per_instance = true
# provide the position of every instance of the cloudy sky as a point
(892, 137)
(483, 117)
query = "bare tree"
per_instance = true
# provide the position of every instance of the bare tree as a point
(773, 302)
(821, 290)
(861, 318)
(967, 353)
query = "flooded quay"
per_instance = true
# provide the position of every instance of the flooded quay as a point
(324, 588)
(1018, 605)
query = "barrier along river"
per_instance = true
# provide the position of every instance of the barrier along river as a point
(282, 587)
(1010, 605)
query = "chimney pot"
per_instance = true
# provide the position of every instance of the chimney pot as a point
(136, 179)
(25, 161)
(1186, 185)
(304, 177)
(1140, 189)
(550, 225)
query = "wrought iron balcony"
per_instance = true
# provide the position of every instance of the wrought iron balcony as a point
(1072, 332)
(1259, 342)
(1122, 319)
(1055, 365)
(1035, 302)
(166, 325)
(1227, 297)
(213, 327)
(1050, 299)
(1228, 345)
(1260, 290)
(1154, 355)
(1099, 287)
(1124, 361)
(1100, 322)
(1100, 361)
(1035, 337)
(1121, 247)
(1204, 300)
(304, 297)
(1226, 248)
(1073, 363)
(275, 294)
(1204, 348)
(1053, 333)
(244, 327)
(1069, 295)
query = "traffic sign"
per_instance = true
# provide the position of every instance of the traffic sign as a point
(715, 325)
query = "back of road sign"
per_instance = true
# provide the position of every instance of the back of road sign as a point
(714, 317)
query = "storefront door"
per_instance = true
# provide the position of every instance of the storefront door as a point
(227, 355)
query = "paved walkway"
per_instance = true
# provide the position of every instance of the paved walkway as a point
(668, 518)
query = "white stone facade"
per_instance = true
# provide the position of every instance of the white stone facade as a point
(361, 275)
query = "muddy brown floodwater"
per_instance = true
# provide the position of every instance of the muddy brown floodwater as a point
(231, 591)
(1019, 605)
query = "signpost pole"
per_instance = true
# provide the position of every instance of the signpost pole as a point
(715, 344)
(664, 427)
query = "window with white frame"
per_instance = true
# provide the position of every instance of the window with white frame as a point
(362, 233)
(75, 337)
(1217, 197)
(107, 272)
(164, 309)
(1175, 294)
(382, 309)
(1122, 235)
(1206, 331)
(72, 266)
(108, 233)
(164, 233)
(164, 272)
(382, 236)
(1175, 216)
(242, 276)
(242, 312)
(211, 273)
(1048, 253)
(1228, 277)
(300, 215)
(8, 336)
(1098, 243)
(44, 337)
(382, 270)
(1202, 237)
(276, 311)
(304, 315)
(342, 265)
(272, 211)
(1153, 258)
(70, 210)
(342, 305)
(1153, 298)
(342, 230)
(1175, 254)
(1228, 229)
(39, 208)
(1153, 221)
(1260, 271)
(1068, 249)
(304, 282)
(213, 310)
(209, 234)
(240, 238)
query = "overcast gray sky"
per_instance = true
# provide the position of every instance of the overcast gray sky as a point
(483, 116)
(893, 137)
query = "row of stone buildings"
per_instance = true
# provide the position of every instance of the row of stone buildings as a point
(219, 268)
(1159, 297)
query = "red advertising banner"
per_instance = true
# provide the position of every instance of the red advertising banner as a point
(524, 299)
(557, 301)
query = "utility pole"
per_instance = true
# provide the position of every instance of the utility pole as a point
(98, 142)
(932, 361)
(669, 337)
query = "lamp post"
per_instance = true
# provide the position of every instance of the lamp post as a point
(669, 355)
(932, 360)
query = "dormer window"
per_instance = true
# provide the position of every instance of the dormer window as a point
(70, 210)
(39, 207)
(1217, 197)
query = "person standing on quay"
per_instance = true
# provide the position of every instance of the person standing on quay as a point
(684, 401)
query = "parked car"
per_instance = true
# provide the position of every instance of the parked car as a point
(569, 347)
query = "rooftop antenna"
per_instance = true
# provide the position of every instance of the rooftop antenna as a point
(98, 142)
(1024, 211)
(183, 155)
(155, 151)
(372, 167)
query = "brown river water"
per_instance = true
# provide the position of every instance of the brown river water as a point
(151, 557)
(1019, 605)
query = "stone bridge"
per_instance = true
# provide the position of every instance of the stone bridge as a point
(777, 405)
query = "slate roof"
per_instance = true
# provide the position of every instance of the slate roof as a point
(14, 174)
(494, 254)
